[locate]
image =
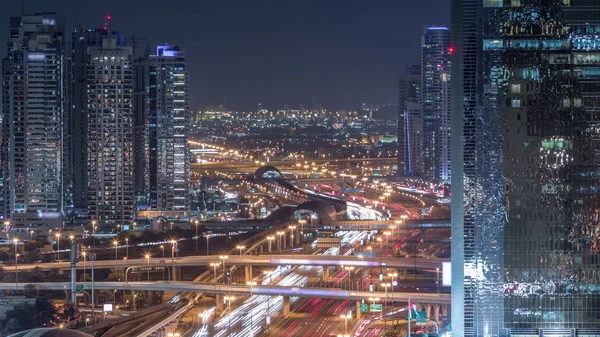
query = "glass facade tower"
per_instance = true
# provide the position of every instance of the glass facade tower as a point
(33, 127)
(168, 130)
(409, 92)
(435, 89)
(525, 168)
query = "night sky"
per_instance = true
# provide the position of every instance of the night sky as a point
(276, 52)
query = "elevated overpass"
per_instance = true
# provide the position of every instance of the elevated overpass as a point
(251, 260)
(213, 288)
(258, 225)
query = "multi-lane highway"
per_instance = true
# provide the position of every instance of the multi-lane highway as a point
(254, 260)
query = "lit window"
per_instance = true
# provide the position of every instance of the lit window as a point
(492, 3)
(515, 3)
(566, 102)
(515, 88)
(577, 102)
(515, 103)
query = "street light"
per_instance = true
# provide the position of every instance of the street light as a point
(385, 285)
(251, 284)
(223, 258)
(116, 244)
(345, 318)
(387, 237)
(6, 227)
(241, 248)
(94, 239)
(196, 223)
(270, 239)
(147, 256)
(84, 254)
(292, 228)
(127, 247)
(349, 269)
(280, 235)
(173, 247)
(393, 276)
(16, 240)
(57, 247)
(437, 279)
(302, 222)
(215, 265)
(228, 299)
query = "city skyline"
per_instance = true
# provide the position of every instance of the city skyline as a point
(358, 58)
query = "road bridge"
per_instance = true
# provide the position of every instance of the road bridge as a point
(220, 289)
(250, 260)
(285, 216)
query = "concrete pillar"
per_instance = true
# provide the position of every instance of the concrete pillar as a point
(286, 305)
(325, 273)
(247, 274)
(428, 310)
(297, 237)
(283, 238)
(358, 313)
(445, 310)
(262, 248)
(436, 312)
(292, 239)
(219, 303)
(176, 273)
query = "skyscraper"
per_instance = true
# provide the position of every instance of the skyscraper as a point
(33, 126)
(141, 125)
(110, 135)
(526, 156)
(409, 91)
(414, 138)
(82, 39)
(435, 88)
(168, 131)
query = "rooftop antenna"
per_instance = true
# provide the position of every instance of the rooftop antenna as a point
(109, 21)
(23, 8)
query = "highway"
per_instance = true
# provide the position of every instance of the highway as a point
(212, 288)
(254, 260)
(241, 321)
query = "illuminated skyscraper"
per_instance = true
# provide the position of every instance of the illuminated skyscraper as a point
(409, 92)
(110, 135)
(413, 120)
(33, 120)
(526, 157)
(435, 91)
(82, 39)
(168, 129)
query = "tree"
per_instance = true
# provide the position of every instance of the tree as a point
(30, 291)
(14, 325)
(85, 277)
(105, 296)
(4, 255)
(116, 274)
(32, 256)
